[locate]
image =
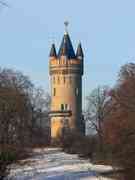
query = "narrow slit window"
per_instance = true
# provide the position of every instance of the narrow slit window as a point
(64, 79)
(58, 80)
(66, 107)
(54, 92)
(54, 80)
(77, 91)
(70, 80)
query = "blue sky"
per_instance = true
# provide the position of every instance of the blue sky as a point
(106, 29)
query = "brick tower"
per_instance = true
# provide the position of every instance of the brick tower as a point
(66, 70)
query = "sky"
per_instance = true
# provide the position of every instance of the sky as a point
(106, 29)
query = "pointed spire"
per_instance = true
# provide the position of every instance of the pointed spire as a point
(53, 51)
(66, 48)
(79, 52)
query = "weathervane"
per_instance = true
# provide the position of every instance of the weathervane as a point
(66, 23)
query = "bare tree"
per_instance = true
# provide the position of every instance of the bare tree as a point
(119, 128)
(14, 106)
(40, 105)
(23, 109)
(96, 111)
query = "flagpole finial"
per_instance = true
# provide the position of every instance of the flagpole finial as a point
(66, 23)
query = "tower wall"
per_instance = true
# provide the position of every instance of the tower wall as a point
(66, 93)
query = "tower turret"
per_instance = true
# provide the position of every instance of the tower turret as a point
(66, 70)
(79, 52)
(53, 51)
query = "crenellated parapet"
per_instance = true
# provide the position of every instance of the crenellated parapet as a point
(66, 61)
(64, 66)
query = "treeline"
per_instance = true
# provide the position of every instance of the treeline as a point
(24, 120)
(119, 125)
(109, 118)
(110, 125)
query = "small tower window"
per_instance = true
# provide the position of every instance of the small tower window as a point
(53, 80)
(70, 80)
(62, 107)
(66, 123)
(77, 91)
(66, 106)
(58, 80)
(64, 79)
(54, 92)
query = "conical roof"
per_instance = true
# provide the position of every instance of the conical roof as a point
(79, 52)
(66, 48)
(53, 51)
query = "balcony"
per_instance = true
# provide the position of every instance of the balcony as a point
(60, 113)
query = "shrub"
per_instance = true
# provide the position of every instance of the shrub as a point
(76, 143)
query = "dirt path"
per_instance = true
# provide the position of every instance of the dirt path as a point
(52, 164)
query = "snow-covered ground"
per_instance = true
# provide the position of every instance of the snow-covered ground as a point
(52, 164)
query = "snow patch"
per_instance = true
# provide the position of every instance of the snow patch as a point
(52, 164)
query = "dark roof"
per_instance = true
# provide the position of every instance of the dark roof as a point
(66, 48)
(53, 51)
(79, 52)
